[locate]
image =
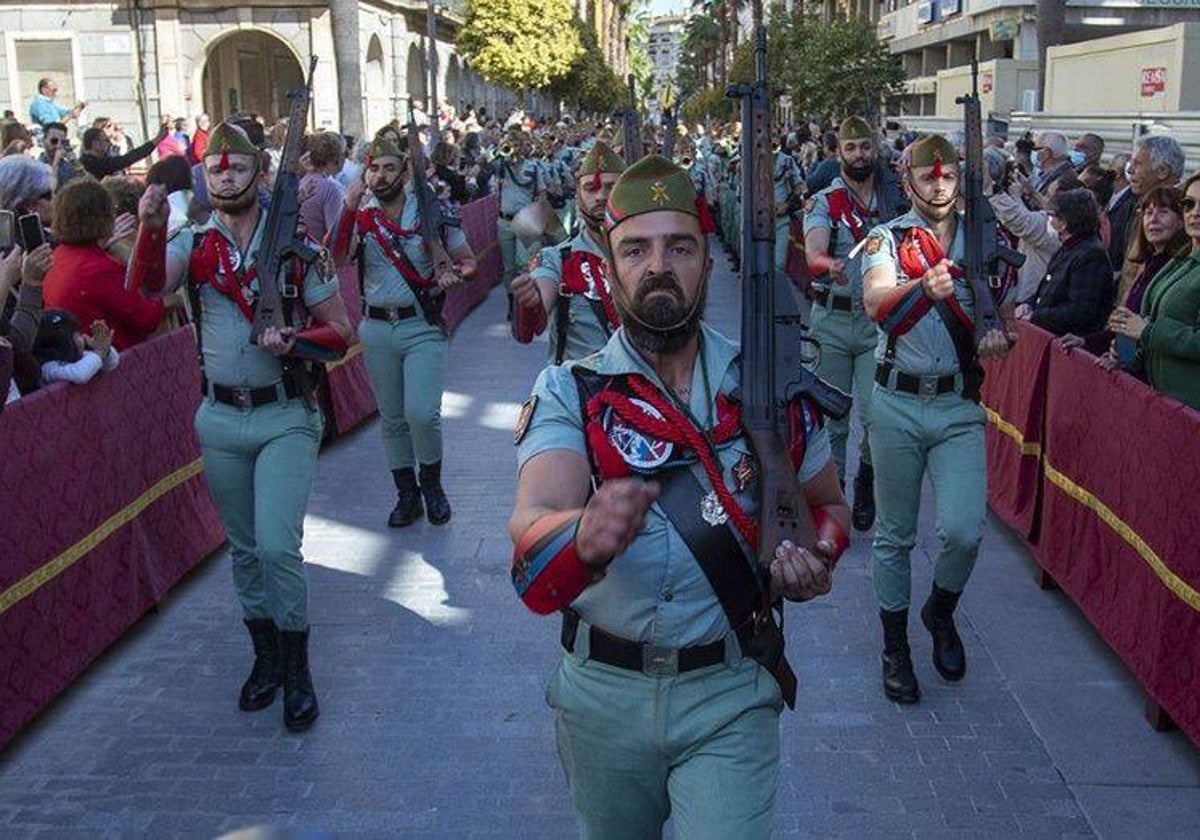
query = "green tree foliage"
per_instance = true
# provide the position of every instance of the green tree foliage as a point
(830, 70)
(710, 104)
(521, 44)
(590, 86)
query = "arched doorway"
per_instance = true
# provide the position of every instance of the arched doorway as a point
(454, 93)
(376, 90)
(418, 75)
(250, 71)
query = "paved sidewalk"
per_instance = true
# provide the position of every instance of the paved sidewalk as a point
(430, 677)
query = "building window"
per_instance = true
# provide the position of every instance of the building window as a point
(33, 58)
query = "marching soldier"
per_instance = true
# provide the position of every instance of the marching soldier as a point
(789, 197)
(568, 286)
(660, 713)
(840, 217)
(403, 335)
(519, 177)
(258, 426)
(925, 414)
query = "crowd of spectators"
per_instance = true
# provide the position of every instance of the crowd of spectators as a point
(67, 313)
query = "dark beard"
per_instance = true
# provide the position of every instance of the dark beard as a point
(655, 327)
(389, 193)
(238, 204)
(860, 173)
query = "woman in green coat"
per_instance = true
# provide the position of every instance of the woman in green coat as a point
(1167, 331)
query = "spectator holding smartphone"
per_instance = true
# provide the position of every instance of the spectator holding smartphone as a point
(43, 110)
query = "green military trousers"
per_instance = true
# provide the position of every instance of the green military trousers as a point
(847, 362)
(700, 747)
(259, 465)
(512, 251)
(406, 361)
(909, 436)
(782, 225)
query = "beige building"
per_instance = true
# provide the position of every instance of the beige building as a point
(1143, 72)
(158, 58)
(608, 20)
(937, 40)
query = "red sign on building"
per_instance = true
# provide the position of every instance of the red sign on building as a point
(1154, 81)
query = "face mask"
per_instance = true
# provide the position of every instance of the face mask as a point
(1077, 158)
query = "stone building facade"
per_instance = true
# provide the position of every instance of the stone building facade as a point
(141, 61)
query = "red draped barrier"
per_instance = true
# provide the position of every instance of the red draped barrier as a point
(105, 509)
(1014, 397)
(351, 399)
(1120, 525)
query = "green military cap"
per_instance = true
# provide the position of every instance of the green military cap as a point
(932, 150)
(601, 158)
(229, 139)
(383, 146)
(652, 184)
(619, 140)
(855, 128)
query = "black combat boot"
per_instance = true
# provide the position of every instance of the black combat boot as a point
(899, 681)
(258, 691)
(408, 507)
(436, 503)
(864, 498)
(938, 616)
(299, 699)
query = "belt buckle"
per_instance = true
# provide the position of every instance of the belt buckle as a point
(289, 290)
(660, 661)
(393, 314)
(927, 387)
(242, 397)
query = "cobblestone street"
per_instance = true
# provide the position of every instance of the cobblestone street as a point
(430, 676)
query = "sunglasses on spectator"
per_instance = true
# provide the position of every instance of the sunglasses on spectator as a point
(1187, 204)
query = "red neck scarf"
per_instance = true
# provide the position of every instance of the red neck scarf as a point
(585, 273)
(374, 221)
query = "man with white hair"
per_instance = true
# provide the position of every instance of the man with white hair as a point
(1157, 161)
(1051, 159)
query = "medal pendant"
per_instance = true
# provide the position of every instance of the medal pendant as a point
(712, 511)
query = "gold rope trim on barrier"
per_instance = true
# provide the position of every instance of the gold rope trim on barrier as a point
(1033, 449)
(1171, 580)
(48, 571)
(355, 349)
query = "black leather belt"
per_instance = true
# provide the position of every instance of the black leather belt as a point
(391, 314)
(252, 397)
(924, 386)
(838, 303)
(651, 660)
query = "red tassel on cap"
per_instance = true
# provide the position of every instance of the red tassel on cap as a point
(706, 219)
(224, 160)
(937, 167)
(596, 176)
(370, 160)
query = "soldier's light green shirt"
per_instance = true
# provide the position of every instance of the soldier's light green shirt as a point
(655, 592)
(230, 358)
(585, 333)
(383, 284)
(518, 184)
(927, 349)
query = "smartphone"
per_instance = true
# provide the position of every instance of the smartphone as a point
(1126, 351)
(7, 221)
(30, 233)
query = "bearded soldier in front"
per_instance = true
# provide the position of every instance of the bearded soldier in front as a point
(660, 711)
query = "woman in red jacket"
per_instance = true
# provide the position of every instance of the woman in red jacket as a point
(86, 281)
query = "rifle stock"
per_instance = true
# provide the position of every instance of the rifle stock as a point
(772, 333)
(279, 241)
(983, 252)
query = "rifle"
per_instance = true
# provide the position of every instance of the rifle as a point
(631, 122)
(433, 221)
(669, 129)
(984, 253)
(772, 367)
(279, 242)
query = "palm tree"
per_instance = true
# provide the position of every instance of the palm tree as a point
(343, 19)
